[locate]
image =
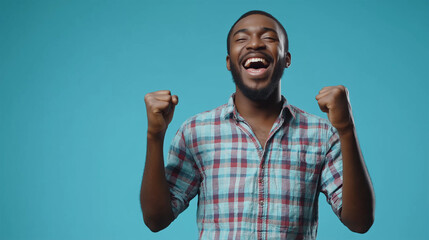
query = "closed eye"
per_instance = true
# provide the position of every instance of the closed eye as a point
(270, 39)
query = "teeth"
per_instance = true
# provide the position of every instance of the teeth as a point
(250, 60)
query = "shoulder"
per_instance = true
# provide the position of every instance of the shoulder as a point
(209, 115)
(205, 118)
(304, 119)
(315, 128)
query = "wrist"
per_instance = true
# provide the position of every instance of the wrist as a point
(346, 130)
(155, 136)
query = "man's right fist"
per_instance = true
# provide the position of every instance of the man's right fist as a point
(160, 109)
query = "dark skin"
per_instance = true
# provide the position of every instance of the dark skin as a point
(155, 193)
(256, 34)
(253, 36)
(260, 117)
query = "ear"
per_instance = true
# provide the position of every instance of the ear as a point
(228, 63)
(288, 59)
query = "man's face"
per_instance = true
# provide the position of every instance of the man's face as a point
(257, 56)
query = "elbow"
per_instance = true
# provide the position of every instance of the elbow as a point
(359, 219)
(362, 226)
(157, 220)
(155, 224)
(156, 217)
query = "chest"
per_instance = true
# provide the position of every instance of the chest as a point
(262, 134)
(237, 150)
(234, 171)
(261, 130)
(234, 149)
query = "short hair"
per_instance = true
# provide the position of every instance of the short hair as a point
(253, 12)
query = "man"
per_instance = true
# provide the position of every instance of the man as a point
(257, 163)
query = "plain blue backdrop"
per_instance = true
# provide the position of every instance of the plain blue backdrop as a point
(73, 75)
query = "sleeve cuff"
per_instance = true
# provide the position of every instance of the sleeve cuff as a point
(337, 203)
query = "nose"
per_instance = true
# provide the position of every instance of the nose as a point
(255, 43)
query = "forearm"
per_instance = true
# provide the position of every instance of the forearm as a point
(358, 195)
(155, 194)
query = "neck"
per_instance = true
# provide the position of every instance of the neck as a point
(262, 109)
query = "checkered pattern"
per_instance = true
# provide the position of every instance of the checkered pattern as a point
(246, 191)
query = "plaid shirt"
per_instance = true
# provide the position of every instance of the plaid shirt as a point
(246, 191)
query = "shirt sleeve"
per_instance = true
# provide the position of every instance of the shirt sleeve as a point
(182, 173)
(332, 172)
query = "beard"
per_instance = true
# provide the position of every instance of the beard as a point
(258, 94)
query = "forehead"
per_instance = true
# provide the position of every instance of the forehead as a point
(255, 22)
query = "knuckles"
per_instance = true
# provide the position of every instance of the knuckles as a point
(150, 98)
(333, 96)
(339, 90)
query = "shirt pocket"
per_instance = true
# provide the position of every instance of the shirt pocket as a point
(298, 171)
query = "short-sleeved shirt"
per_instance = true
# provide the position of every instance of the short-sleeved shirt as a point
(247, 191)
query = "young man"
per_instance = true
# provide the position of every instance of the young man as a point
(257, 163)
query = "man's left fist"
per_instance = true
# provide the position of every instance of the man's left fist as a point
(335, 102)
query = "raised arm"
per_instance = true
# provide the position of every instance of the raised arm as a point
(358, 195)
(155, 194)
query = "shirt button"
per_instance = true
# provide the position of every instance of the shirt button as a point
(261, 202)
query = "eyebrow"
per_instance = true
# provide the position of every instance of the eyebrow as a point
(266, 29)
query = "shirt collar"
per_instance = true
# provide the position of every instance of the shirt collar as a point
(231, 112)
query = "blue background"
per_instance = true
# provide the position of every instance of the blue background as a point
(73, 75)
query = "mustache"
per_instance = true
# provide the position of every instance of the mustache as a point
(266, 56)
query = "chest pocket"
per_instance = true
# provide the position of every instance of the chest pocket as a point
(295, 172)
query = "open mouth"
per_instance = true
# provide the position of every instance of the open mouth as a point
(256, 65)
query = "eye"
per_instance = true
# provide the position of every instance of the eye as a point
(240, 40)
(270, 39)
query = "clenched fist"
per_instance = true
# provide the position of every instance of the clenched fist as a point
(160, 109)
(335, 102)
